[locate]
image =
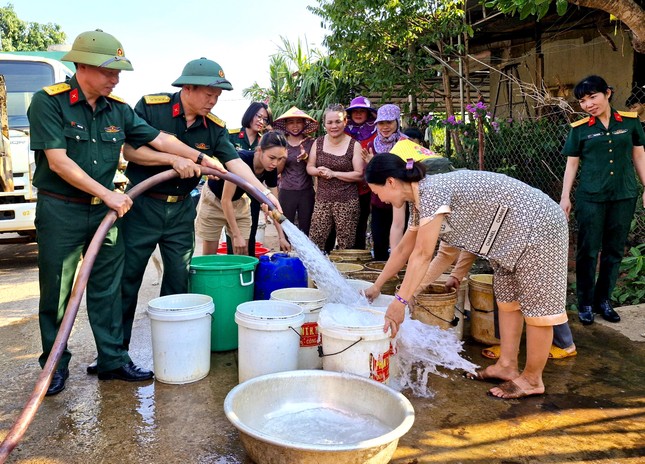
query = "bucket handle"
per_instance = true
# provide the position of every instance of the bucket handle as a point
(454, 322)
(297, 333)
(246, 284)
(322, 355)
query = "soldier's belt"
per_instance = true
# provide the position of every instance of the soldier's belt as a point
(82, 200)
(166, 198)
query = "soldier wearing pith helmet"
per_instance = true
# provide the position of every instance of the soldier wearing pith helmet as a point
(165, 214)
(77, 131)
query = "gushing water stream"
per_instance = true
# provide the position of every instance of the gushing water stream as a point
(421, 348)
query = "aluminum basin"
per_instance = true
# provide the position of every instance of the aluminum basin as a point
(255, 405)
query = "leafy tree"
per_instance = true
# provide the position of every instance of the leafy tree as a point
(19, 35)
(305, 78)
(630, 12)
(392, 44)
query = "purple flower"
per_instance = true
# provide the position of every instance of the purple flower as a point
(495, 125)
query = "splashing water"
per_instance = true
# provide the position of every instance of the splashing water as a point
(421, 349)
(321, 270)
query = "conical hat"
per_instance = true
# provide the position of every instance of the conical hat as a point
(406, 149)
(311, 125)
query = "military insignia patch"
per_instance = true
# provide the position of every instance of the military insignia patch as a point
(115, 98)
(57, 88)
(216, 120)
(73, 96)
(119, 52)
(112, 129)
(156, 99)
(175, 110)
(221, 73)
(202, 146)
(77, 125)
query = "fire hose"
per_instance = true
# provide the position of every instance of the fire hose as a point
(44, 379)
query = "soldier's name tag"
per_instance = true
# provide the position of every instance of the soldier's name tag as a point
(598, 134)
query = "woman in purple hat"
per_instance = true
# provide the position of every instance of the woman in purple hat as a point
(388, 223)
(361, 126)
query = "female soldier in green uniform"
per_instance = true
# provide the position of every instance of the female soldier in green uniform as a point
(607, 146)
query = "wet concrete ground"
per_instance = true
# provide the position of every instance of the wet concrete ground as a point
(594, 409)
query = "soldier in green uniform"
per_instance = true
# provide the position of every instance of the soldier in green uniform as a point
(257, 119)
(77, 131)
(607, 146)
(165, 215)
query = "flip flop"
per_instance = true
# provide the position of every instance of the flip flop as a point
(492, 352)
(512, 391)
(560, 353)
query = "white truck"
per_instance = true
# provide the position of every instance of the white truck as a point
(24, 75)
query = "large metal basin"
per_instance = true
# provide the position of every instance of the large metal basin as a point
(254, 404)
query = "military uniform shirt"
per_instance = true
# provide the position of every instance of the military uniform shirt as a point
(240, 140)
(92, 139)
(207, 134)
(606, 166)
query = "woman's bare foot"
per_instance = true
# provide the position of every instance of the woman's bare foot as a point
(516, 388)
(494, 372)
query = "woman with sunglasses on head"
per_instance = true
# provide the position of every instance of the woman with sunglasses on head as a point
(607, 146)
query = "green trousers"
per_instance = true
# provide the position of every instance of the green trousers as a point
(602, 229)
(64, 231)
(148, 223)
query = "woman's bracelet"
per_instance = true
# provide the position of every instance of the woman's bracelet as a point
(266, 192)
(402, 300)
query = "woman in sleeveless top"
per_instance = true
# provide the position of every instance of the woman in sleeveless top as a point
(335, 160)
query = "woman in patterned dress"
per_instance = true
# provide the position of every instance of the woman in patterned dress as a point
(519, 229)
(335, 159)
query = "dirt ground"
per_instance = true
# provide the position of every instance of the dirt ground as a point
(594, 409)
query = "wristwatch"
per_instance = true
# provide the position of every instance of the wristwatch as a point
(200, 157)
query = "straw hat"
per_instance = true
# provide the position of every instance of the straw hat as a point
(311, 125)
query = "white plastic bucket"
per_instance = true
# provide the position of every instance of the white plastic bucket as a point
(181, 337)
(364, 351)
(310, 300)
(269, 337)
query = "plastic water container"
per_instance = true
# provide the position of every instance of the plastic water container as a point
(181, 336)
(269, 334)
(364, 351)
(277, 271)
(310, 300)
(229, 280)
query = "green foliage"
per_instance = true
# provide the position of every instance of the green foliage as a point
(304, 78)
(19, 35)
(526, 8)
(630, 288)
(384, 40)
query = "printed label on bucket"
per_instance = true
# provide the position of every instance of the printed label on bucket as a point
(309, 335)
(380, 366)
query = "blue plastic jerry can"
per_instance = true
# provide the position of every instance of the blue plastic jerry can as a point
(278, 271)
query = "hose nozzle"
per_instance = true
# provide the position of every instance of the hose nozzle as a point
(278, 216)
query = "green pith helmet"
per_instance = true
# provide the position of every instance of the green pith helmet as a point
(98, 48)
(203, 72)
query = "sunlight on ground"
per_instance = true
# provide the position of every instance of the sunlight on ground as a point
(565, 432)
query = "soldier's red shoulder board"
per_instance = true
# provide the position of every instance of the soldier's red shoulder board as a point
(57, 88)
(216, 120)
(234, 131)
(628, 114)
(115, 98)
(580, 122)
(156, 99)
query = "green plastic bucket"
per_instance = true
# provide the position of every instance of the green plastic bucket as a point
(229, 280)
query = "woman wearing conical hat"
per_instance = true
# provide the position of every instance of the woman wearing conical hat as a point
(296, 185)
